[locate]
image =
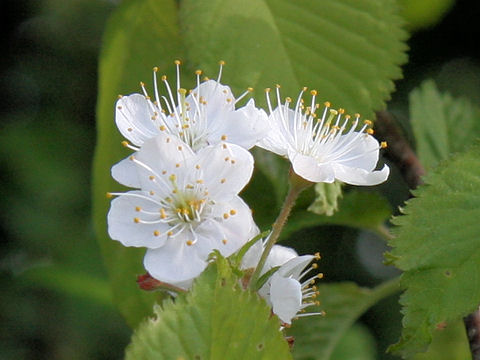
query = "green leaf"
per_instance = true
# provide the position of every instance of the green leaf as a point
(363, 210)
(141, 34)
(424, 14)
(441, 124)
(326, 198)
(317, 337)
(349, 50)
(438, 247)
(357, 344)
(217, 320)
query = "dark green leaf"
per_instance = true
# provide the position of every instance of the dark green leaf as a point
(438, 248)
(442, 124)
(316, 337)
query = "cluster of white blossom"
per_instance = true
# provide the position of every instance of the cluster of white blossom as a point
(190, 160)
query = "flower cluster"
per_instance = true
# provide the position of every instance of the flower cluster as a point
(190, 161)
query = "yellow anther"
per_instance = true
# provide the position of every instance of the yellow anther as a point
(138, 208)
(223, 180)
(327, 104)
(151, 177)
(333, 112)
(221, 62)
(357, 115)
(163, 215)
(198, 72)
(383, 144)
(130, 129)
(172, 177)
(370, 131)
(167, 140)
(182, 91)
(109, 195)
(120, 96)
(313, 93)
(267, 90)
(288, 99)
(226, 216)
(125, 143)
(136, 220)
(131, 157)
(164, 172)
(347, 117)
(180, 148)
(341, 111)
(152, 192)
(320, 275)
(119, 107)
(223, 137)
(227, 158)
(277, 86)
(177, 62)
(314, 266)
(250, 89)
(170, 233)
(156, 233)
(177, 165)
(232, 212)
(162, 128)
(317, 256)
(224, 241)
(368, 122)
(155, 69)
(197, 167)
(232, 162)
(185, 126)
(224, 146)
(199, 181)
(189, 242)
(164, 78)
(142, 84)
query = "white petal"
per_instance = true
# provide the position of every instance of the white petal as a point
(310, 169)
(278, 256)
(245, 126)
(133, 116)
(226, 169)
(356, 176)
(236, 229)
(286, 297)
(121, 224)
(294, 267)
(215, 95)
(175, 262)
(252, 256)
(126, 173)
(363, 153)
(278, 136)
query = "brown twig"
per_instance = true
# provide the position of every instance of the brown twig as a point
(399, 151)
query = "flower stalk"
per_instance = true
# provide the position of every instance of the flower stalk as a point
(297, 185)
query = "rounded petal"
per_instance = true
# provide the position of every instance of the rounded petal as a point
(133, 114)
(252, 256)
(357, 176)
(175, 262)
(363, 151)
(225, 169)
(231, 227)
(245, 126)
(217, 98)
(126, 173)
(123, 227)
(278, 256)
(286, 297)
(310, 169)
(278, 136)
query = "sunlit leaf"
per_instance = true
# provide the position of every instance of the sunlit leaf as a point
(438, 248)
(349, 50)
(217, 320)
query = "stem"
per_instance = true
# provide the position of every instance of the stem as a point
(297, 185)
(472, 325)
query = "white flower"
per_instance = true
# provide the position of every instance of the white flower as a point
(186, 206)
(284, 291)
(204, 116)
(324, 148)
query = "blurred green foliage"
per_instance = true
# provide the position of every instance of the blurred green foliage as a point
(55, 300)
